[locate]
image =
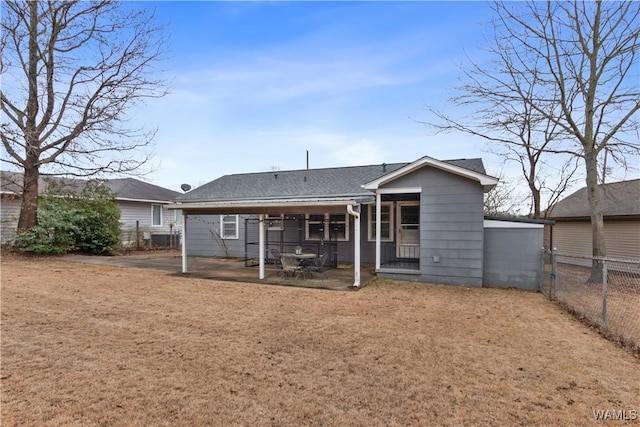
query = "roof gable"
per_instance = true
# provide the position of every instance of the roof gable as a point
(618, 199)
(453, 166)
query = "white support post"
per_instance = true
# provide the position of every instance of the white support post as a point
(378, 230)
(261, 244)
(356, 250)
(184, 242)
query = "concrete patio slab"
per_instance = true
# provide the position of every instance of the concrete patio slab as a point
(233, 269)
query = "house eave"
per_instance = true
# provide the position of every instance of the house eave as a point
(588, 218)
(268, 206)
(130, 199)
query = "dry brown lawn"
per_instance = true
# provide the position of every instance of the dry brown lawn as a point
(94, 345)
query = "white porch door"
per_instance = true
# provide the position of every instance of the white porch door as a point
(408, 230)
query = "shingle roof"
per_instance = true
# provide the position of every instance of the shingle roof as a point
(329, 182)
(11, 182)
(123, 188)
(618, 199)
(129, 188)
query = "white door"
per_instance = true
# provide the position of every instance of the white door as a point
(408, 230)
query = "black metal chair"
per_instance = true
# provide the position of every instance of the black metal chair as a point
(318, 265)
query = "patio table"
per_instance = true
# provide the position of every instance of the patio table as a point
(300, 257)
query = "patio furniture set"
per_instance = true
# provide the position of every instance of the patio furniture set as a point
(301, 264)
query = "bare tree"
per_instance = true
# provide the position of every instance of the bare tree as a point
(500, 98)
(589, 56)
(503, 199)
(579, 60)
(71, 72)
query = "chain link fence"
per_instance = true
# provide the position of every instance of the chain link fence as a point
(605, 292)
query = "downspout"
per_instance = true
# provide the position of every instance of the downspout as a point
(356, 237)
(261, 246)
(378, 228)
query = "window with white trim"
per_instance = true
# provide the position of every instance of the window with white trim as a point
(338, 227)
(327, 227)
(229, 226)
(315, 227)
(156, 215)
(275, 222)
(178, 217)
(386, 222)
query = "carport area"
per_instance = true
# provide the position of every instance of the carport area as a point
(232, 269)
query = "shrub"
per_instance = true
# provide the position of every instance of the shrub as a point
(68, 222)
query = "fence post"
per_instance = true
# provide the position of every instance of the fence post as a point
(541, 279)
(604, 290)
(138, 235)
(554, 270)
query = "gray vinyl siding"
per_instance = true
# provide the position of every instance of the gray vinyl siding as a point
(451, 226)
(203, 237)
(140, 212)
(10, 213)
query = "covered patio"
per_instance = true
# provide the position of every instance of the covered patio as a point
(264, 270)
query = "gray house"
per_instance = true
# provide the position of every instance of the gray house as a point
(420, 221)
(143, 207)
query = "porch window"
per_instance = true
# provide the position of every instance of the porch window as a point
(386, 222)
(315, 227)
(275, 222)
(156, 215)
(178, 217)
(229, 226)
(338, 227)
(327, 227)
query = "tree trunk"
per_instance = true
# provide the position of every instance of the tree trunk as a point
(29, 204)
(597, 221)
(535, 194)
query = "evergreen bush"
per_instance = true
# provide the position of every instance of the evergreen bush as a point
(74, 222)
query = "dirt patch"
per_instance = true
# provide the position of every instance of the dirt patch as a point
(98, 345)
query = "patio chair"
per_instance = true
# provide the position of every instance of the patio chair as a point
(318, 265)
(307, 262)
(275, 255)
(291, 267)
(275, 259)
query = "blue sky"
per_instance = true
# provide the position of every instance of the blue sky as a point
(257, 84)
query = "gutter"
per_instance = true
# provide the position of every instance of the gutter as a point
(356, 237)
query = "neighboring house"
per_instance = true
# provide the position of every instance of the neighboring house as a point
(420, 221)
(143, 207)
(572, 235)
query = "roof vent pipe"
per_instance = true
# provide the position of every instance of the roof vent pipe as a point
(384, 167)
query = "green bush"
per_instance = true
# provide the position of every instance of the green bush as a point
(67, 222)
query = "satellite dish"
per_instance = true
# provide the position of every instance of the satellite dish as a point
(185, 187)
